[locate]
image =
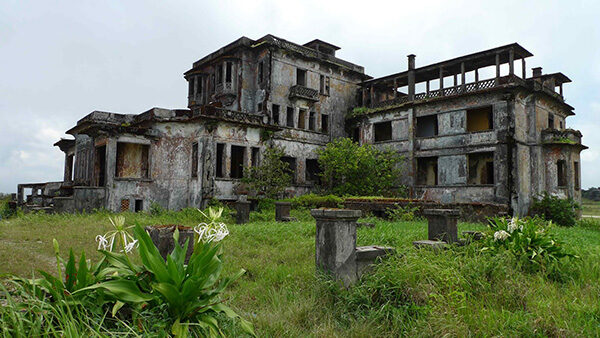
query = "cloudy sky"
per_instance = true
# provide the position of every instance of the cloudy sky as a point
(61, 60)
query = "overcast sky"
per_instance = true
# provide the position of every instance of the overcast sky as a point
(60, 60)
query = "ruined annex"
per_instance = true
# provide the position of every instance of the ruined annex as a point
(476, 128)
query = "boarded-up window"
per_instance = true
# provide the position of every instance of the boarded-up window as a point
(275, 110)
(132, 160)
(427, 126)
(383, 131)
(219, 164)
(124, 205)
(427, 171)
(561, 172)
(237, 161)
(194, 159)
(576, 182)
(312, 170)
(291, 161)
(302, 119)
(325, 123)
(290, 117)
(481, 168)
(480, 119)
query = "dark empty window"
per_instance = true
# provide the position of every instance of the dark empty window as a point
(132, 160)
(427, 126)
(356, 134)
(259, 107)
(383, 131)
(260, 71)
(194, 159)
(325, 123)
(427, 169)
(550, 121)
(576, 182)
(237, 161)
(302, 119)
(312, 170)
(324, 85)
(481, 168)
(311, 120)
(191, 87)
(219, 164)
(561, 172)
(139, 205)
(275, 110)
(291, 161)
(290, 117)
(228, 71)
(301, 77)
(480, 119)
(219, 73)
(254, 157)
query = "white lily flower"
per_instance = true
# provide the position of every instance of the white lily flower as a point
(102, 242)
(501, 235)
(131, 245)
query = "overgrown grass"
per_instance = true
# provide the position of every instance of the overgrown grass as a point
(456, 292)
(590, 207)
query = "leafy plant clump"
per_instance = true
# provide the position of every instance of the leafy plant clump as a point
(352, 169)
(530, 240)
(561, 211)
(270, 177)
(311, 200)
(175, 295)
(407, 213)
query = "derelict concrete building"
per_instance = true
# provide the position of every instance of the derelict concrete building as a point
(501, 139)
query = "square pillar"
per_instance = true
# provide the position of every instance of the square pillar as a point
(335, 247)
(282, 211)
(441, 224)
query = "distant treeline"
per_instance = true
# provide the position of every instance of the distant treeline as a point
(591, 194)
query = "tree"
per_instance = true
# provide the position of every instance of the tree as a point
(271, 176)
(350, 169)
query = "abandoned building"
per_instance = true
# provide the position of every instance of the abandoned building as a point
(501, 139)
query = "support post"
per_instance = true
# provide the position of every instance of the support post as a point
(441, 81)
(335, 247)
(523, 69)
(411, 76)
(242, 208)
(511, 61)
(395, 88)
(372, 96)
(462, 77)
(477, 78)
(497, 67)
(282, 211)
(427, 88)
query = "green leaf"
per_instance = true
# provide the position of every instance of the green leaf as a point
(123, 289)
(118, 305)
(82, 273)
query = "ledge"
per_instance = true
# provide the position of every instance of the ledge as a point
(336, 213)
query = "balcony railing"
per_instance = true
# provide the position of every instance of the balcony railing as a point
(565, 136)
(229, 115)
(302, 92)
(224, 88)
(452, 91)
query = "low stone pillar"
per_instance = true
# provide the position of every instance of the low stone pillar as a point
(442, 224)
(335, 247)
(242, 209)
(282, 211)
(162, 237)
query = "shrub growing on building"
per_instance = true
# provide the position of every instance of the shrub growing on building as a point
(561, 211)
(271, 176)
(352, 169)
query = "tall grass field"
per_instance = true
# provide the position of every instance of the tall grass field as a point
(458, 292)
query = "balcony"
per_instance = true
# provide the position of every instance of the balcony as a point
(301, 92)
(566, 137)
(224, 89)
(223, 114)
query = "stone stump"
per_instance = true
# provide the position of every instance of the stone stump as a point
(282, 211)
(442, 224)
(335, 247)
(242, 209)
(162, 237)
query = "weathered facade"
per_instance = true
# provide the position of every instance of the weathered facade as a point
(500, 140)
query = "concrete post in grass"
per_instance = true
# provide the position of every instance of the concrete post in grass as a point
(282, 211)
(442, 224)
(335, 247)
(242, 209)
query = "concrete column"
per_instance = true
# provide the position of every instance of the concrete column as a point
(372, 94)
(427, 88)
(497, 66)
(411, 76)
(242, 208)
(395, 89)
(511, 61)
(560, 88)
(477, 78)
(364, 97)
(442, 224)
(68, 172)
(335, 247)
(441, 81)
(227, 160)
(462, 76)
(523, 69)
(455, 81)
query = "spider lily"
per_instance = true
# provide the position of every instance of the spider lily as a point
(120, 232)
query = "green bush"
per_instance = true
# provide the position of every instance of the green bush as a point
(270, 177)
(530, 240)
(352, 169)
(561, 211)
(311, 201)
(400, 213)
